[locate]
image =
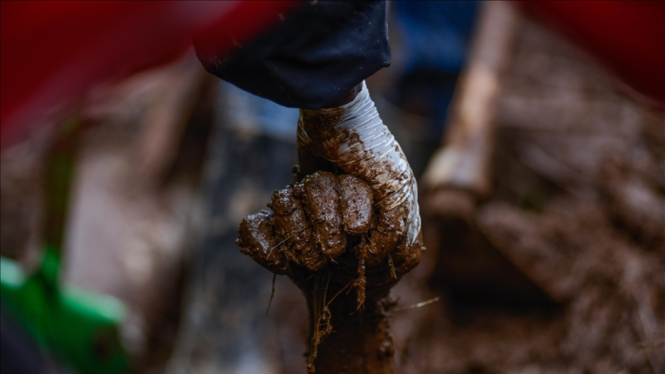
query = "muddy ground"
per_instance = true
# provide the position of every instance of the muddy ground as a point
(578, 210)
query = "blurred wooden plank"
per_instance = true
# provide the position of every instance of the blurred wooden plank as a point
(463, 161)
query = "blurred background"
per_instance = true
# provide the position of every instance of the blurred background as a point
(542, 190)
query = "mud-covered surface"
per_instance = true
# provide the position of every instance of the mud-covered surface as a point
(354, 139)
(307, 226)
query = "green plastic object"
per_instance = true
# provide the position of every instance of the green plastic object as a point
(80, 327)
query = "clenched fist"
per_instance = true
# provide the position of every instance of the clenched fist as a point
(328, 220)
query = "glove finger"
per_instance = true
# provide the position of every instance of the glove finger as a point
(389, 233)
(257, 239)
(320, 196)
(356, 199)
(294, 231)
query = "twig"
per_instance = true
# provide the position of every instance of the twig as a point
(284, 241)
(418, 305)
(272, 293)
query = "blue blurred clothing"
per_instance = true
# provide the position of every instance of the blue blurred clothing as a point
(436, 33)
(245, 112)
(436, 36)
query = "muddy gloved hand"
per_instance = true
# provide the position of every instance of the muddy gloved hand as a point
(344, 232)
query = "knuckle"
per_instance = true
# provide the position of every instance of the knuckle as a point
(321, 199)
(290, 220)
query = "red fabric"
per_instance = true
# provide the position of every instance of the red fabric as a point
(54, 51)
(628, 37)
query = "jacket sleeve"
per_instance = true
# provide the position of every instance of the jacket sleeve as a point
(313, 57)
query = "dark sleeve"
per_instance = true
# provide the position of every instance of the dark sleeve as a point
(313, 57)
